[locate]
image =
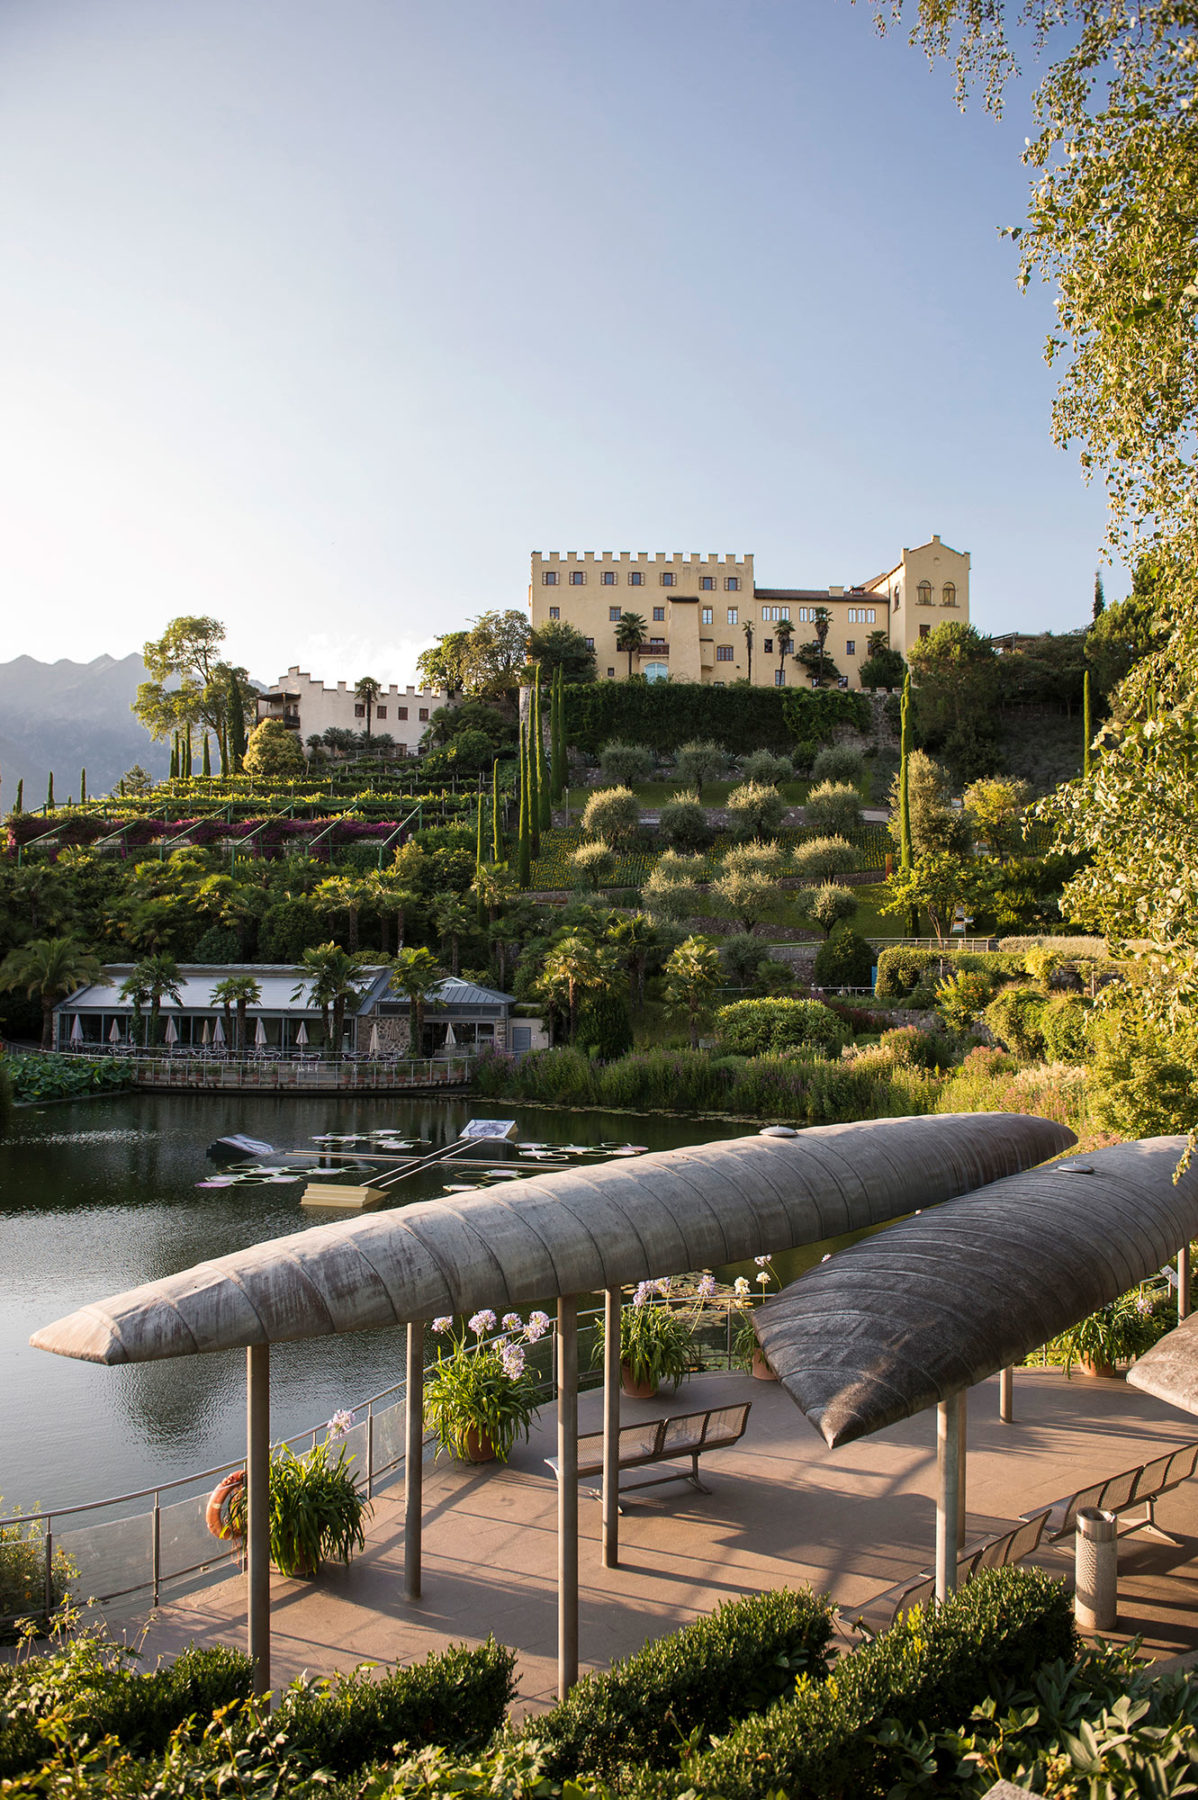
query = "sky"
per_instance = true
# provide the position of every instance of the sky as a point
(321, 318)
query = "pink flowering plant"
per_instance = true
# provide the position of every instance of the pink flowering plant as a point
(481, 1387)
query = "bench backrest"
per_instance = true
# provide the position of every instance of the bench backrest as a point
(1118, 1491)
(712, 1429)
(1181, 1466)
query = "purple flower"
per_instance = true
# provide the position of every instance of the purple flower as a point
(512, 1322)
(538, 1325)
(706, 1287)
(483, 1320)
(512, 1358)
(339, 1425)
(641, 1297)
(443, 1324)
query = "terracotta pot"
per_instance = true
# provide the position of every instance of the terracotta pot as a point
(636, 1390)
(761, 1369)
(302, 1573)
(477, 1447)
(1104, 1370)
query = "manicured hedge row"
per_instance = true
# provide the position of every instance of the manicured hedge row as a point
(664, 715)
(930, 1670)
(738, 1661)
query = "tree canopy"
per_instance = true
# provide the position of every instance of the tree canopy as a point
(187, 654)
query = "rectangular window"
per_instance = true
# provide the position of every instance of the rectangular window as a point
(707, 582)
(668, 578)
(659, 615)
(636, 579)
(548, 577)
(401, 712)
(767, 646)
(734, 615)
(723, 652)
(615, 613)
(590, 643)
(708, 615)
(424, 713)
(870, 615)
(611, 674)
(359, 712)
(608, 578)
(732, 584)
(577, 577)
(657, 643)
(784, 612)
(779, 677)
(380, 712)
(555, 612)
(843, 682)
(925, 631)
(850, 646)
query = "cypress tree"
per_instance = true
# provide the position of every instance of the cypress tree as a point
(557, 741)
(50, 793)
(479, 908)
(1087, 725)
(534, 792)
(235, 715)
(544, 803)
(206, 766)
(222, 744)
(497, 844)
(21, 794)
(523, 857)
(174, 756)
(905, 795)
(1099, 596)
(187, 751)
(83, 787)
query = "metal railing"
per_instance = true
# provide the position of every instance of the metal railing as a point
(113, 1550)
(283, 1073)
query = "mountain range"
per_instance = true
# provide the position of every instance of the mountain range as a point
(67, 716)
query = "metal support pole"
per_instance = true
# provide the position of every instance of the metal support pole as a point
(257, 1497)
(567, 1493)
(413, 1493)
(1006, 1396)
(1183, 1283)
(612, 1301)
(948, 1495)
(962, 1463)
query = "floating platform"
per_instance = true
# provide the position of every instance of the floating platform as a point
(342, 1198)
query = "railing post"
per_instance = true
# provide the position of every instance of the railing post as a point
(612, 1300)
(257, 1536)
(156, 1546)
(370, 1450)
(1183, 1283)
(413, 1462)
(567, 1494)
(48, 1571)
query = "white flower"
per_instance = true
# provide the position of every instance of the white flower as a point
(538, 1325)
(663, 1287)
(512, 1358)
(483, 1321)
(512, 1322)
(706, 1287)
(741, 1286)
(443, 1324)
(763, 1262)
(339, 1425)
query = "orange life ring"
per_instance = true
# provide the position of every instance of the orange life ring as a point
(216, 1512)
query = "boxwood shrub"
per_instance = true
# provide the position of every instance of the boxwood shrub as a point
(756, 1027)
(834, 1738)
(704, 1677)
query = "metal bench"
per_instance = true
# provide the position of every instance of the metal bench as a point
(663, 1440)
(998, 1551)
(1140, 1486)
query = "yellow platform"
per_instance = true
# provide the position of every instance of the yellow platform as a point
(344, 1199)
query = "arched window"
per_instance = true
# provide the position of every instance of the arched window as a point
(657, 671)
(948, 594)
(924, 593)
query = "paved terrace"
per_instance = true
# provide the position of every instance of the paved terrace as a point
(784, 1510)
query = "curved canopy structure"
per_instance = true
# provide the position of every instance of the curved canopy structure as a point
(908, 1318)
(1169, 1371)
(560, 1234)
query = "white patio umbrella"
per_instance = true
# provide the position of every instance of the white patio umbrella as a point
(76, 1030)
(170, 1034)
(374, 1040)
(259, 1033)
(450, 1035)
(301, 1036)
(218, 1032)
(114, 1035)
(205, 1035)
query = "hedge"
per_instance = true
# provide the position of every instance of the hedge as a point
(666, 714)
(832, 1739)
(704, 1677)
(902, 967)
(755, 1027)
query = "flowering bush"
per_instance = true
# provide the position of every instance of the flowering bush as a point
(655, 1337)
(1124, 1328)
(744, 1341)
(484, 1390)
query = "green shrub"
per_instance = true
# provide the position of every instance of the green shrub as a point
(839, 762)
(833, 807)
(755, 810)
(456, 1698)
(737, 1661)
(901, 968)
(604, 1029)
(742, 956)
(612, 813)
(624, 765)
(218, 944)
(820, 857)
(828, 906)
(288, 929)
(756, 1027)
(929, 1670)
(1144, 1078)
(684, 826)
(1014, 1018)
(914, 1048)
(963, 998)
(846, 959)
(592, 863)
(805, 1090)
(1067, 1026)
(764, 766)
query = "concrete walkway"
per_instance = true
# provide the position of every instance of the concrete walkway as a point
(784, 1510)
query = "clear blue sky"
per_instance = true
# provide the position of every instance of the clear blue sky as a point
(319, 318)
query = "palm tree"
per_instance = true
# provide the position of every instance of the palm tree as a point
(749, 646)
(398, 897)
(693, 973)
(453, 920)
(50, 969)
(415, 973)
(343, 893)
(156, 978)
(367, 691)
(821, 618)
(240, 992)
(333, 978)
(494, 887)
(635, 938)
(630, 635)
(575, 966)
(784, 634)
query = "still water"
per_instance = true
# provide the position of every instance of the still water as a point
(100, 1196)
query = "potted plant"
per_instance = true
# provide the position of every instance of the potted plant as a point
(745, 1347)
(481, 1397)
(316, 1506)
(1122, 1329)
(655, 1342)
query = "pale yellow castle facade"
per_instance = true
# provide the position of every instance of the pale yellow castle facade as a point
(706, 619)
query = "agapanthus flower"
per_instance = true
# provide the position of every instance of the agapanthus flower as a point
(443, 1324)
(706, 1287)
(663, 1286)
(512, 1322)
(538, 1325)
(644, 1293)
(1143, 1305)
(512, 1358)
(340, 1424)
(482, 1321)
(764, 1278)
(763, 1262)
(741, 1286)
